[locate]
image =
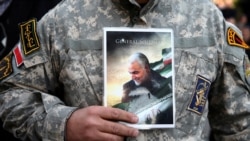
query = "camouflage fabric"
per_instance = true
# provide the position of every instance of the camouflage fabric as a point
(69, 65)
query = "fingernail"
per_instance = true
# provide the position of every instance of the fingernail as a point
(135, 133)
(135, 119)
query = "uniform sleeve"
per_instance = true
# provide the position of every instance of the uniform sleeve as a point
(33, 115)
(229, 106)
(29, 105)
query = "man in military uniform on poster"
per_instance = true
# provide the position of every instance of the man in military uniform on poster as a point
(145, 87)
(143, 76)
(65, 60)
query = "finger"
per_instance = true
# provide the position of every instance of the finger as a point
(110, 137)
(117, 128)
(116, 114)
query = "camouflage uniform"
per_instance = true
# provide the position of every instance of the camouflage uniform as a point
(67, 63)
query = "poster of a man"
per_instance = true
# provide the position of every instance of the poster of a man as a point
(139, 75)
(146, 87)
(143, 76)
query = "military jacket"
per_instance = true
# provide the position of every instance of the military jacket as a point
(59, 69)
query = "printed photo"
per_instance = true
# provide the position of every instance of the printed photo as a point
(139, 74)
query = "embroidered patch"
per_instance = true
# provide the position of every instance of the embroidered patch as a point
(29, 38)
(247, 67)
(6, 66)
(18, 55)
(200, 95)
(234, 39)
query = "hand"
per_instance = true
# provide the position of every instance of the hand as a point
(98, 123)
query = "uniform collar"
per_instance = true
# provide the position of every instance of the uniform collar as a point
(132, 6)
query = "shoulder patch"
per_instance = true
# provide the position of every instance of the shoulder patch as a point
(18, 55)
(247, 67)
(6, 66)
(29, 39)
(234, 39)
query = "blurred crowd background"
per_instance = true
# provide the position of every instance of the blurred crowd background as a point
(238, 13)
(13, 12)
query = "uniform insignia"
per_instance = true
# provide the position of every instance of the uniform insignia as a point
(29, 38)
(6, 66)
(18, 55)
(200, 95)
(234, 39)
(247, 69)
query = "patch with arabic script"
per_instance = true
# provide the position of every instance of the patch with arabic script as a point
(29, 39)
(200, 95)
(247, 69)
(6, 68)
(247, 66)
(234, 39)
